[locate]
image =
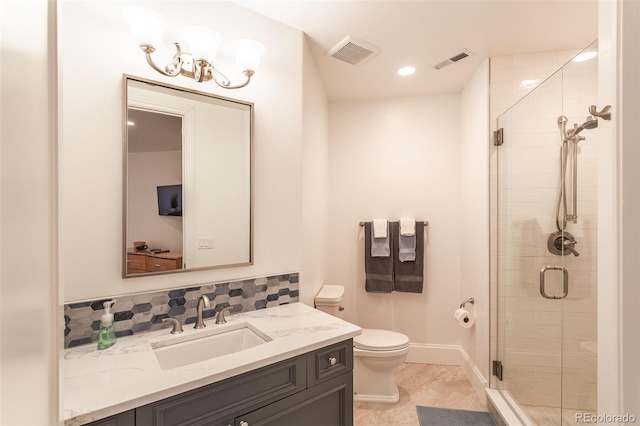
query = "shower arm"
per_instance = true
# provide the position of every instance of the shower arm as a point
(605, 114)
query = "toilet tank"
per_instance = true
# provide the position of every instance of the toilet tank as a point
(329, 300)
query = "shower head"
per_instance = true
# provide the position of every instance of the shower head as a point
(590, 123)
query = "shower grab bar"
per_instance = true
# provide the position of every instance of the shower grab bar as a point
(565, 282)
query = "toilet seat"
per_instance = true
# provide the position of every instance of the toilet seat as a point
(380, 340)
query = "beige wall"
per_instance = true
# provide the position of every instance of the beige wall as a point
(91, 148)
(474, 205)
(315, 180)
(30, 330)
(397, 158)
(147, 170)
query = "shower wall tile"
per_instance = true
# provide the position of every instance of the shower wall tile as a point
(138, 313)
(508, 72)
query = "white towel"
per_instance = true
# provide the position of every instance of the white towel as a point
(379, 228)
(381, 247)
(407, 226)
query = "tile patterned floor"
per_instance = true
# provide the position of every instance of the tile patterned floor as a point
(430, 385)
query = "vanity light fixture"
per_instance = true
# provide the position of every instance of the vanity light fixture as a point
(148, 27)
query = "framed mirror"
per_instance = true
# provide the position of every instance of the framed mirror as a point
(188, 159)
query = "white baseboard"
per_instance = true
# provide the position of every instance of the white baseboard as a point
(450, 355)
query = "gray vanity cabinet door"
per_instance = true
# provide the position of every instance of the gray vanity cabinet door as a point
(213, 404)
(128, 418)
(327, 404)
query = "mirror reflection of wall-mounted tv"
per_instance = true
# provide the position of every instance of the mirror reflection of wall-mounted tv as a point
(170, 200)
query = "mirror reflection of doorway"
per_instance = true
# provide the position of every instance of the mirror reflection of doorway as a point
(154, 180)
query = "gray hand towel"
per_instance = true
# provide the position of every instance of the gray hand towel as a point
(408, 276)
(378, 270)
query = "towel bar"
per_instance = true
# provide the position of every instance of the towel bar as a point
(426, 223)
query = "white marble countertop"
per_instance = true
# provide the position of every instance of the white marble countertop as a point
(98, 384)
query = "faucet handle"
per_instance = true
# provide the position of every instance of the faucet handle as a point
(220, 318)
(177, 327)
(570, 245)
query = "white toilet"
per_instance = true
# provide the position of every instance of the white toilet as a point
(375, 353)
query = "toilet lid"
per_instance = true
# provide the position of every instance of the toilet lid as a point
(380, 340)
(330, 294)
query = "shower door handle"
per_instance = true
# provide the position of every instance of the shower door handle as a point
(565, 282)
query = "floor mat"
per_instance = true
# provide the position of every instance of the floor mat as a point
(433, 416)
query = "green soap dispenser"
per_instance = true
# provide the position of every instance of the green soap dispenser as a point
(107, 336)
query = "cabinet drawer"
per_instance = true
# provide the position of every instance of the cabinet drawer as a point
(328, 404)
(212, 404)
(135, 262)
(128, 418)
(154, 264)
(329, 362)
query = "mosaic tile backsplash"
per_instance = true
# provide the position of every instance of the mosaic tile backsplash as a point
(144, 312)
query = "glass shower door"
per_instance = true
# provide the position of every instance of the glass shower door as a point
(530, 324)
(546, 248)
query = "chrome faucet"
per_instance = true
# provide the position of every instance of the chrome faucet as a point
(220, 318)
(203, 302)
(177, 327)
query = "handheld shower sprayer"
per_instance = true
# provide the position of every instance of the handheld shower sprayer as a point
(590, 123)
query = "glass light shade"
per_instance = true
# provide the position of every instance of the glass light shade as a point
(203, 42)
(146, 25)
(248, 53)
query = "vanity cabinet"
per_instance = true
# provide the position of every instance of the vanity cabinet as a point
(143, 262)
(311, 389)
(128, 418)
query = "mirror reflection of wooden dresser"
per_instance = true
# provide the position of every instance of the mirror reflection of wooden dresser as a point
(140, 262)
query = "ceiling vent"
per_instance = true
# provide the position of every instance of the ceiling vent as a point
(464, 53)
(353, 51)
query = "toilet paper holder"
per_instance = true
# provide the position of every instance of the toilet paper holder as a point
(469, 300)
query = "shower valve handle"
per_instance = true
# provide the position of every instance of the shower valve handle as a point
(570, 246)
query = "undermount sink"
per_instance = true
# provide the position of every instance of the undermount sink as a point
(201, 345)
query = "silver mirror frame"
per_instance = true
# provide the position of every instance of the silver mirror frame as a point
(125, 79)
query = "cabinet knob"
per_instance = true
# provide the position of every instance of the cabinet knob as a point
(157, 265)
(243, 423)
(333, 360)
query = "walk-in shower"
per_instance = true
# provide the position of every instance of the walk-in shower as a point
(545, 253)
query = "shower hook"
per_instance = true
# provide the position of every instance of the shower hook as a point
(605, 114)
(469, 300)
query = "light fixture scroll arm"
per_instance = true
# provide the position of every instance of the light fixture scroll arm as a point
(173, 68)
(225, 83)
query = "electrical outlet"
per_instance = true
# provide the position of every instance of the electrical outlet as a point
(205, 243)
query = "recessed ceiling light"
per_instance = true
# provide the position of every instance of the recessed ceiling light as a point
(585, 56)
(406, 71)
